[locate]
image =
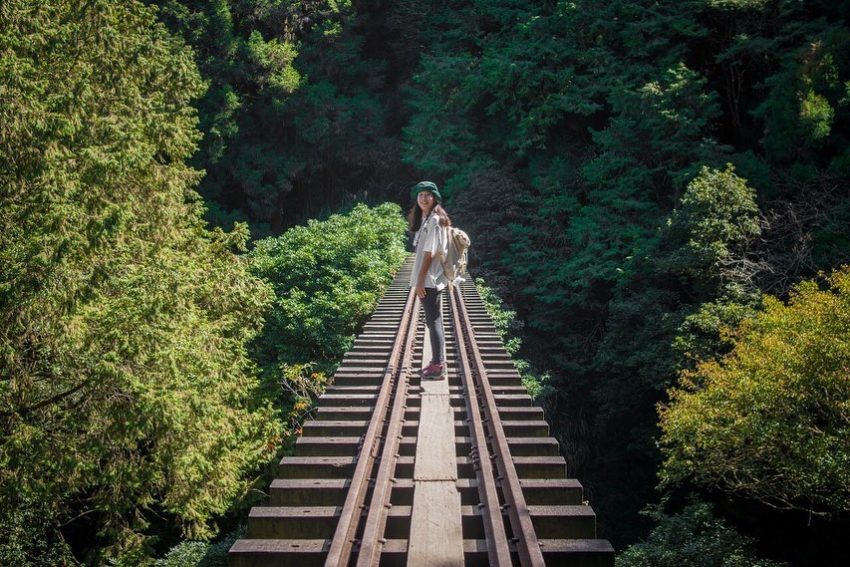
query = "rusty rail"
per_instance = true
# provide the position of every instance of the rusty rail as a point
(372, 540)
(523, 530)
(494, 529)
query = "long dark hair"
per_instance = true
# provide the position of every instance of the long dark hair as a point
(414, 217)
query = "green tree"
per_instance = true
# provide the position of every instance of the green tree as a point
(245, 52)
(692, 537)
(770, 420)
(658, 316)
(295, 121)
(806, 111)
(327, 278)
(127, 394)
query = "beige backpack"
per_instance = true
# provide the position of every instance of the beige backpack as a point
(454, 261)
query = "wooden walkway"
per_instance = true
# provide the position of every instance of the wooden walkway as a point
(396, 470)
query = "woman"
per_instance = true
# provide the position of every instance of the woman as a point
(429, 222)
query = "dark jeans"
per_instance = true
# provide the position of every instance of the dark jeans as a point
(434, 321)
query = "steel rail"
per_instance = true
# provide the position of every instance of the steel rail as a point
(372, 539)
(342, 544)
(491, 513)
(525, 536)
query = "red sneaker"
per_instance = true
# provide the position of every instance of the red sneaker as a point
(435, 370)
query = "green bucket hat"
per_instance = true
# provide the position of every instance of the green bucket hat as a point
(426, 186)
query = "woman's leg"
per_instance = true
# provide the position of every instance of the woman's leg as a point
(434, 322)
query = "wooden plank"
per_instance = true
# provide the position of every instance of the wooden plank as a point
(435, 448)
(436, 536)
(436, 532)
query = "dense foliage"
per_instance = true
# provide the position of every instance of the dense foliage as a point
(327, 278)
(193, 553)
(127, 396)
(771, 419)
(286, 140)
(692, 537)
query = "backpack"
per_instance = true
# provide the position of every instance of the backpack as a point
(454, 261)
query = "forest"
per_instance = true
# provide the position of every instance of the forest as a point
(202, 201)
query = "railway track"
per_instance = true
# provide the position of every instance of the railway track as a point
(398, 471)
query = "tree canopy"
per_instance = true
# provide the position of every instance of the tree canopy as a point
(127, 392)
(771, 419)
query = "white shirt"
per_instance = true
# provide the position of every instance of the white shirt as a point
(433, 238)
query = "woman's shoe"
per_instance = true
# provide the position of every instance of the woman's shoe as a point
(435, 370)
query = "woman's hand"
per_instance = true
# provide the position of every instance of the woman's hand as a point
(427, 257)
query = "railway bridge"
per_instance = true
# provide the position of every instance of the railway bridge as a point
(398, 471)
